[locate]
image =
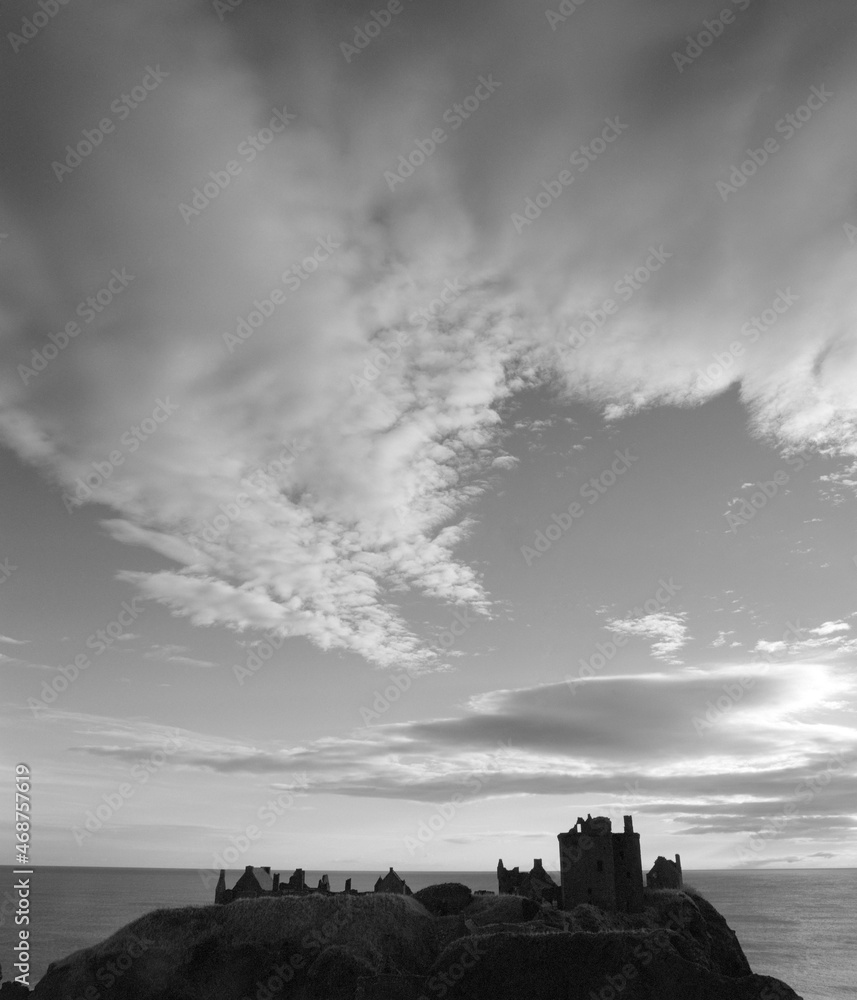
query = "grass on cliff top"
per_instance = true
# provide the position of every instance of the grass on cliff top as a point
(371, 924)
(502, 909)
(374, 927)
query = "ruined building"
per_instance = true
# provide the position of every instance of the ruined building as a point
(254, 882)
(665, 874)
(536, 885)
(392, 883)
(260, 882)
(601, 867)
(596, 866)
(297, 881)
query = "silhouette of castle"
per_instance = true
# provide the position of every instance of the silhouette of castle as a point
(601, 867)
(391, 882)
(665, 874)
(537, 884)
(260, 882)
(596, 866)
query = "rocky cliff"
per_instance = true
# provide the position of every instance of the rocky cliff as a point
(386, 947)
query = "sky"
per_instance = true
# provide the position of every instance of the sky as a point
(422, 425)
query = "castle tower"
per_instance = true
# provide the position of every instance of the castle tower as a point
(601, 867)
(628, 869)
(508, 879)
(297, 881)
(220, 888)
(587, 864)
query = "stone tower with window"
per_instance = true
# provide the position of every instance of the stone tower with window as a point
(601, 867)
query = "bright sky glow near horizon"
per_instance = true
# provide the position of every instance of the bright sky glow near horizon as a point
(408, 448)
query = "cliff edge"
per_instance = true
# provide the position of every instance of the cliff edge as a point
(390, 947)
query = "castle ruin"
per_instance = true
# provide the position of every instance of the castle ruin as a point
(535, 884)
(260, 882)
(597, 866)
(601, 867)
(665, 874)
(391, 882)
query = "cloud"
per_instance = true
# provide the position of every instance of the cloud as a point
(828, 628)
(722, 636)
(189, 661)
(14, 642)
(478, 838)
(14, 661)
(825, 638)
(174, 654)
(321, 468)
(167, 545)
(667, 628)
(766, 646)
(620, 744)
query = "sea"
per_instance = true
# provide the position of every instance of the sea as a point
(797, 925)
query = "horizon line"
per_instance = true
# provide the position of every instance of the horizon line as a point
(426, 871)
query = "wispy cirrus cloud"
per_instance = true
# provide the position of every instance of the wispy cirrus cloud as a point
(323, 541)
(829, 628)
(174, 654)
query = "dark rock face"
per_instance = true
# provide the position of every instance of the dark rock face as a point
(576, 966)
(9, 991)
(391, 947)
(725, 951)
(701, 935)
